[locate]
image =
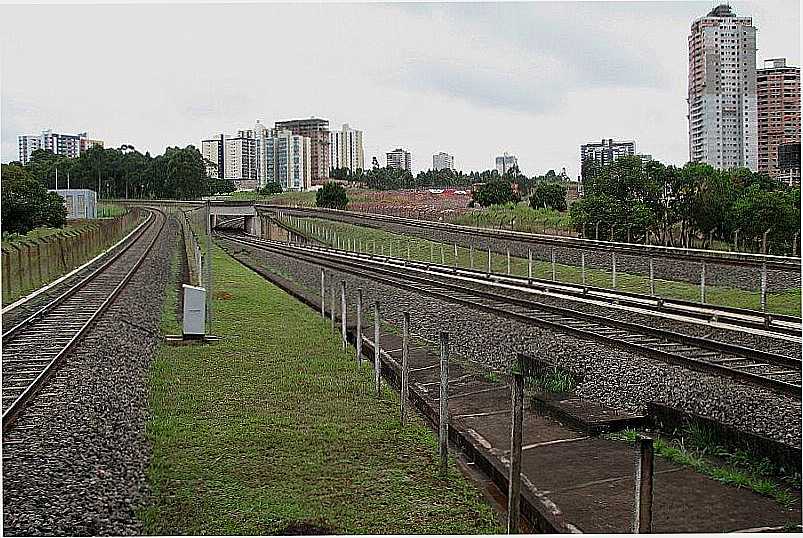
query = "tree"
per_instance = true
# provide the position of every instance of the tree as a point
(495, 193)
(26, 204)
(271, 187)
(331, 195)
(549, 195)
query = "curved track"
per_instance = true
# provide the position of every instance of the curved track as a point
(769, 370)
(33, 349)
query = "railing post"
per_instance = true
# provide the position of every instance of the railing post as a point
(508, 261)
(489, 261)
(702, 282)
(332, 307)
(455, 254)
(323, 294)
(613, 268)
(405, 373)
(471, 256)
(359, 326)
(583, 267)
(443, 258)
(377, 352)
(553, 263)
(343, 313)
(642, 517)
(652, 278)
(514, 480)
(764, 287)
(443, 420)
(529, 264)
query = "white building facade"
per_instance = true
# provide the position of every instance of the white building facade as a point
(346, 150)
(606, 151)
(506, 162)
(287, 160)
(67, 145)
(442, 161)
(722, 98)
(399, 159)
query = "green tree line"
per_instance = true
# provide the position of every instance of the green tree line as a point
(689, 206)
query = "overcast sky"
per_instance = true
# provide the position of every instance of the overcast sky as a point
(533, 79)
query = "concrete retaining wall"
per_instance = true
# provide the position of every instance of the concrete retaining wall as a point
(32, 263)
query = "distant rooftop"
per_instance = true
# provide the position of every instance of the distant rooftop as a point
(722, 10)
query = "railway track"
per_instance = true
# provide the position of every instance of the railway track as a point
(773, 371)
(34, 347)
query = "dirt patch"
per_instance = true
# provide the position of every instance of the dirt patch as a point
(306, 528)
(222, 295)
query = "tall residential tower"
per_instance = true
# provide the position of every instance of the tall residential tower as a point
(778, 87)
(345, 148)
(723, 108)
(317, 130)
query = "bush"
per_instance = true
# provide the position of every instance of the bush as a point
(272, 187)
(549, 196)
(26, 204)
(331, 195)
(495, 192)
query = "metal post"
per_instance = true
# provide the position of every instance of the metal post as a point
(408, 250)
(455, 254)
(332, 307)
(702, 282)
(508, 261)
(529, 264)
(443, 416)
(443, 258)
(343, 313)
(359, 326)
(471, 256)
(613, 268)
(794, 244)
(390, 247)
(764, 241)
(514, 480)
(596, 236)
(323, 294)
(553, 264)
(377, 352)
(652, 278)
(208, 267)
(583, 267)
(431, 253)
(764, 287)
(642, 518)
(489, 261)
(405, 377)
(382, 249)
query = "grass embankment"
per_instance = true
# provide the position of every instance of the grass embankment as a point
(785, 302)
(274, 428)
(523, 217)
(306, 199)
(107, 210)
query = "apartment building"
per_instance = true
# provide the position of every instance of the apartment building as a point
(240, 160)
(722, 100)
(345, 149)
(213, 151)
(606, 150)
(506, 162)
(317, 130)
(68, 145)
(288, 160)
(399, 159)
(778, 90)
(789, 164)
(442, 161)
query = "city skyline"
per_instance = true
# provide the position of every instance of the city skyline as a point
(446, 89)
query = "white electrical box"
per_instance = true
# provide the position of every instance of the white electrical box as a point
(194, 311)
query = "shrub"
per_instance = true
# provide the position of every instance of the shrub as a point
(331, 195)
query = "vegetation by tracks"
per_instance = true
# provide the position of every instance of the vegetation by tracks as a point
(274, 429)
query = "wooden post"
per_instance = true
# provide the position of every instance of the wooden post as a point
(377, 352)
(642, 518)
(443, 415)
(343, 313)
(323, 294)
(514, 480)
(359, 326)
(405, 373)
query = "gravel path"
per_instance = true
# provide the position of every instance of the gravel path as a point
(75, 463)
(616, 378)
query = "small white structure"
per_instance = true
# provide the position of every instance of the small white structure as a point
(194, 322)
(80, 203)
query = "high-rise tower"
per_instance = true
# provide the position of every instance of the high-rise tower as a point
(723, 115)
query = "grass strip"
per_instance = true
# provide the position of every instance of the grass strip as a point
(274, 429)
(380, 241)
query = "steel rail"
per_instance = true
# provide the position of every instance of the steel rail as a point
(767, 322)
(741, 259)
(12, 412)
(611, 332)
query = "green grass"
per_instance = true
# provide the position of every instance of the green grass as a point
(288, 197)
(781, 302)
(526, 218)
(555, 380)
(274, 425)
(727, 468)
(171, 324)
(44, 231)
(107, 210)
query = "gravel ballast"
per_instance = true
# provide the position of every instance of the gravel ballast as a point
(617, 378)
(75, 462)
